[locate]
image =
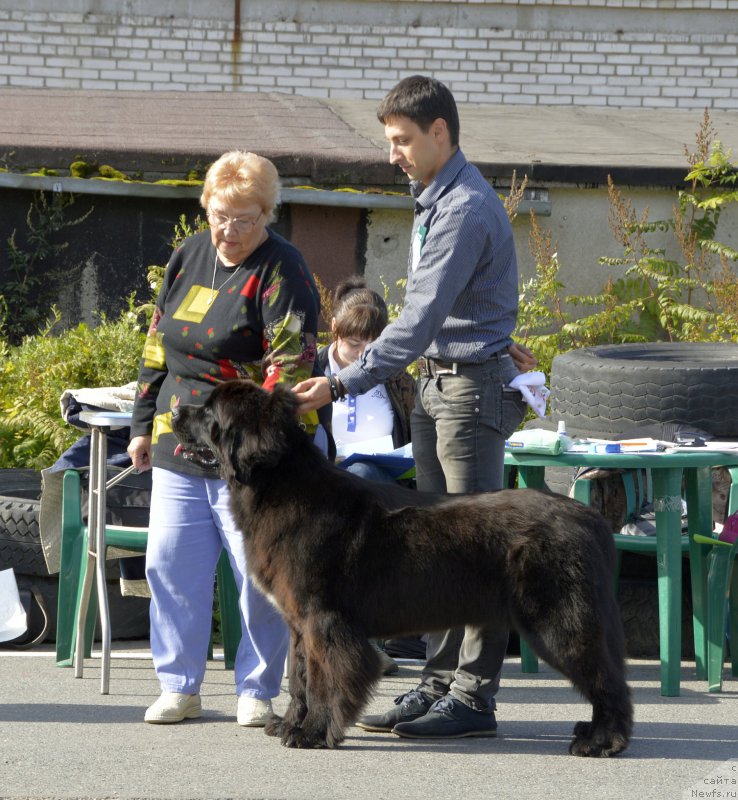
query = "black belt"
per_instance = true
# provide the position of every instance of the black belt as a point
(430, 367)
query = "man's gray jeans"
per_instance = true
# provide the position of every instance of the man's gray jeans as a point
(459, 426)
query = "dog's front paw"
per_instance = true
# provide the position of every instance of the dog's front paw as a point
(276, 727)
(299, 738)
(600, 744)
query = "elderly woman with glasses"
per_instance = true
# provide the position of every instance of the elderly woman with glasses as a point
(237, 300)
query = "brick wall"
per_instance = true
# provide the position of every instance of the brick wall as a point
(619, 53)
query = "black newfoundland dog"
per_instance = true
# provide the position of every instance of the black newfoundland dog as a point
(345, 559)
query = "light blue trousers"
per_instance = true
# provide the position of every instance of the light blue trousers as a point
(190, 524)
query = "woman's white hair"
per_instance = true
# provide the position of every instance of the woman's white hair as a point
(239, 178)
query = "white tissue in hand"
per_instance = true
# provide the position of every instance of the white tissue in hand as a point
(532, 385)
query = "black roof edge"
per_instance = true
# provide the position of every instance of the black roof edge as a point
(589, 174)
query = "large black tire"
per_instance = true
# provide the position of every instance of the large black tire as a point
(129, 616)
(20, 544)
(639, 611)
(608, 390)
(20, 548)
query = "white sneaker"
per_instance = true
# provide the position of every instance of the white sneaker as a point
(173, 707)
(252, 712)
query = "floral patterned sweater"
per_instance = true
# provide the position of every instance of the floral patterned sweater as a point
(256, 321)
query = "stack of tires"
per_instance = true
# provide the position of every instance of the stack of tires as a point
(21, 550)
(610, 391)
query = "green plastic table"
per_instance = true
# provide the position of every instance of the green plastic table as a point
(667, 470)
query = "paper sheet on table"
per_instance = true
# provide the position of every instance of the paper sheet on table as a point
(614, 446)
(645, 445)
(712, 446)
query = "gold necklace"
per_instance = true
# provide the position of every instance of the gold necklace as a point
(213, 290)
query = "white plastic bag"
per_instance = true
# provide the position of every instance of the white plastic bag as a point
(13, 622)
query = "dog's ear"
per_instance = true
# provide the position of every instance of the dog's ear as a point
(281, 407)
(260, 437)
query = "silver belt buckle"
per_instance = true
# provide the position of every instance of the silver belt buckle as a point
(453, 371)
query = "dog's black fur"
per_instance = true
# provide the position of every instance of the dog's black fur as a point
(346, 559)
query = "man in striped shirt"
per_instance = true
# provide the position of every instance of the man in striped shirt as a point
(459, 314)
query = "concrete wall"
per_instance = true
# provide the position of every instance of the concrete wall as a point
(619, 53)
(109, 254)
(579, 229)
(107, 257)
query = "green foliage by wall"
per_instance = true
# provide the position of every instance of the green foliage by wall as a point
(646, 297)
(34, 266)
(34, 374)
(37, 367)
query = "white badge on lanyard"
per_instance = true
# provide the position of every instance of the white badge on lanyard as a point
(418, 242)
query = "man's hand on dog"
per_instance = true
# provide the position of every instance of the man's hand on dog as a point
(315, 393)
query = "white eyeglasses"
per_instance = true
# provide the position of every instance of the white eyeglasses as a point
(218, 220)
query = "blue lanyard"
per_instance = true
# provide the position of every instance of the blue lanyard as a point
(351, 425)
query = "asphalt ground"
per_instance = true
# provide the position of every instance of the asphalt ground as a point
(60, 738)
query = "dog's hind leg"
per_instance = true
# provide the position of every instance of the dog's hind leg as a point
(342, 668)
(297, 709)
(605, 687)
(593, 660)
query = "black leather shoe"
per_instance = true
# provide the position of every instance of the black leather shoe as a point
(448, 718)
(408, 706)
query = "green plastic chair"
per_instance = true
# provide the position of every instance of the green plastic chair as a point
(636, 485)
(722, 608)
(133, 540)
(711, 573)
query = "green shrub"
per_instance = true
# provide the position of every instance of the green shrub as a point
(34, 374)
(35, 371)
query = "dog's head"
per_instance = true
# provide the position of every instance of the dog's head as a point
(240, 426)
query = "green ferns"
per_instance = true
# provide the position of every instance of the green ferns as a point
(646, 296)
(34, 374)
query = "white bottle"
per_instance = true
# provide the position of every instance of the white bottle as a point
(563, 436)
